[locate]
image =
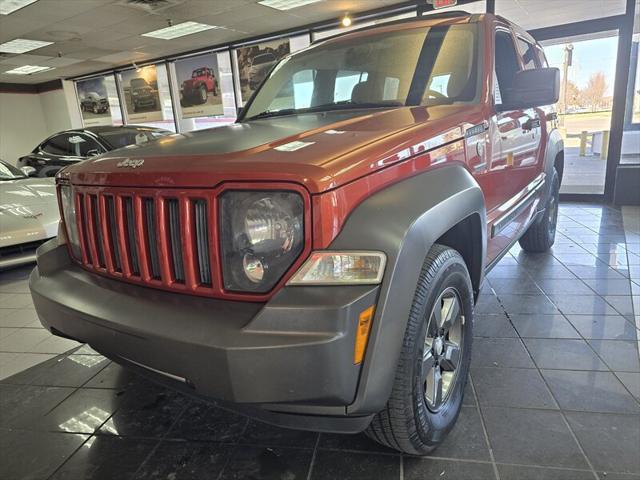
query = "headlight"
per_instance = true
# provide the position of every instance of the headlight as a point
(69, 218)
(261, 235)
(341, 268)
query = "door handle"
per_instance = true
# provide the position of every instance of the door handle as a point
(531, 124)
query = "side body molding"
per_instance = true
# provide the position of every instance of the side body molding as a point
(404, 221)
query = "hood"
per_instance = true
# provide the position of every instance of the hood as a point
(319, 150)
(28, 210)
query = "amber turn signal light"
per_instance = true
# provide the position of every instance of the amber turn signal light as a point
(362, 335)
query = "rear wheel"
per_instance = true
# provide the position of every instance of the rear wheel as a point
(541, 234)
(434, 363)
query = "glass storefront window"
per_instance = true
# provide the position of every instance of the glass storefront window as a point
(147, 99)
(630, 151)
(203, 88)
(98, 101)
(587, 71)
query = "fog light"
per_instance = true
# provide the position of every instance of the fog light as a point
(253, 268)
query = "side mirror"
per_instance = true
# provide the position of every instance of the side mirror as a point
(532, 88)
(28, 171)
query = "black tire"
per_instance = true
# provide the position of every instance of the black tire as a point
(96, 110)
(202, 94)
(541, 234)
(409, 423)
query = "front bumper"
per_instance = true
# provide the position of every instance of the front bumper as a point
(290, 361)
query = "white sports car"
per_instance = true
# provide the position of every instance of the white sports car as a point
(28, 214)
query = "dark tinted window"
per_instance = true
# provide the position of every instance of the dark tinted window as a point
(85, 146)
(58, 145)
(506, 64)
(529, 56)
(124, 137)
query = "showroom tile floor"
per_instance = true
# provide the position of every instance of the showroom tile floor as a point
(555, 390)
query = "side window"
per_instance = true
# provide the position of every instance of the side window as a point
(346, 80)
(541, 57)
(506, 62)
(87, 147)
(529, 56)
(58, 145)
(296, 93)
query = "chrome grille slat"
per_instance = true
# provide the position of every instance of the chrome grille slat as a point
(152, 236)
(176, 241)
(202, 241)
(131, 235)
(113, 232)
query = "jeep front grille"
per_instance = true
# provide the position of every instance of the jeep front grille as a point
(164, 239)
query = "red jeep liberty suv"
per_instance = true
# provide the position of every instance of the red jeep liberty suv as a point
(316, 264)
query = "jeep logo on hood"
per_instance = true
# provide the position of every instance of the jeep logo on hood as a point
(130, 163)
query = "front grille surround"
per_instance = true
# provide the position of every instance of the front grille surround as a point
(162, 238)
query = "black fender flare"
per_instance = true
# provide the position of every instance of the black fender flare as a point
(404, 221)
(554, 146)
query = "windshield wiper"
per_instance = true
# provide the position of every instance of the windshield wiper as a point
(343, 105)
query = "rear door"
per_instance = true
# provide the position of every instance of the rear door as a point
(516, 165)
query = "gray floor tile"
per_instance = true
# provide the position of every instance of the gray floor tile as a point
(500, 352)
(467, 440)
(22, 317)
(511, 387)
(15, 300)
(330, 465)
(513, 472)
(563, 354)
(497, 326)
(507, 285)
(622, 303)
(582, 305)
(18, 362)
(610, 327)
(24, 340)
(529, 304)
(590, 391)
(571, 286)
(620, 355)
(610, 286)
(631, 380)
(543, 326)
(610, 441)
(428, 468)
(531, 437)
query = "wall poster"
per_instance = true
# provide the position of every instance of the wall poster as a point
(94, 101)
(200, 86)
(142, 99)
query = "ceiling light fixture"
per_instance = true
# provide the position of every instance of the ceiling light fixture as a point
(10, 6)
(346, 20)
(28, 70)
(179, 30)
(22, 45)
(286, 4)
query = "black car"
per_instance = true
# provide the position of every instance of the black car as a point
(93, 102)
(143, 95)
(72, 146)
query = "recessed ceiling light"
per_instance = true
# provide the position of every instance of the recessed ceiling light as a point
(286, 4)
(10, 6)
(179, 30)
(22, 45)
(28, 70)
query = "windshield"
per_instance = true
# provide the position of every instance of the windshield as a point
(417, 66)
(9, 172)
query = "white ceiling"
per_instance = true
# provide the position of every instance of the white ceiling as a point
(94, 35)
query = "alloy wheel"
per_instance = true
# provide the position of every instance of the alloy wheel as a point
(442, 349)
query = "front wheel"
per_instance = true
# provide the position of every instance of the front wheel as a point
(541, 234)
(434, 362)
